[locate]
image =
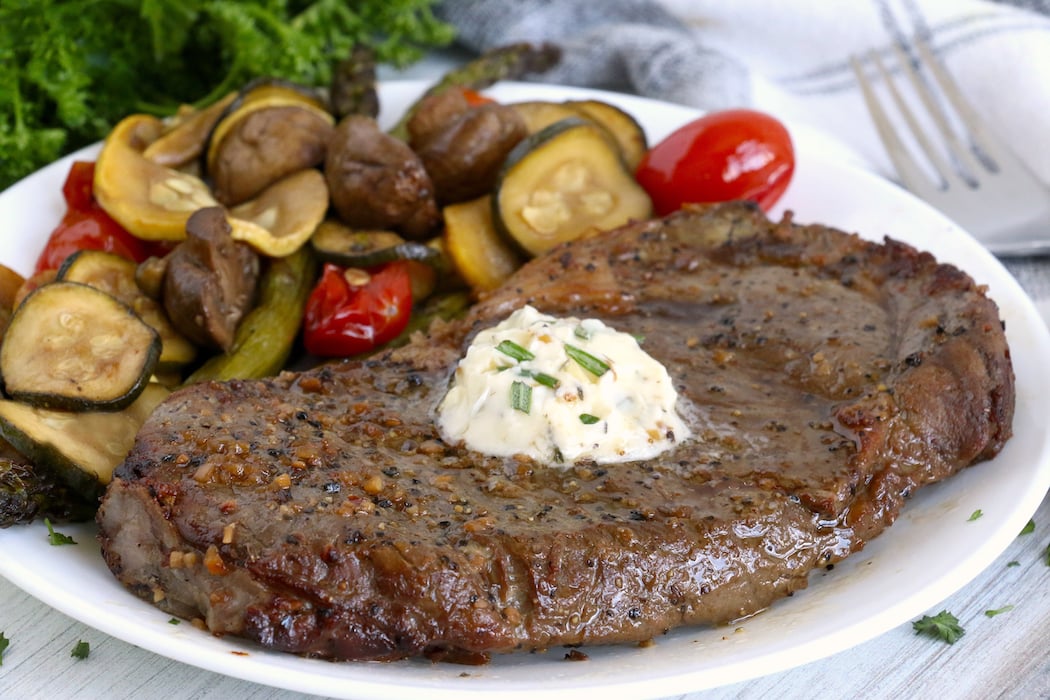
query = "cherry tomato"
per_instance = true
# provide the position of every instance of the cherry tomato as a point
(342, 319)
(86, 226)
(475, 98)
(722, 156)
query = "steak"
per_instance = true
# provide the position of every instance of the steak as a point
(322, 513)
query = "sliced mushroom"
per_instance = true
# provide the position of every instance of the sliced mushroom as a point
(210, 280)
(151, 201)
(182, 144)
(377, 182)
(281, 219)
(271, 131)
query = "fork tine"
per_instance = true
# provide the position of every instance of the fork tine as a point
(959, 152)
(912, 175)
(980, 136)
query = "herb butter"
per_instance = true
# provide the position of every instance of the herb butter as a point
(561, 390)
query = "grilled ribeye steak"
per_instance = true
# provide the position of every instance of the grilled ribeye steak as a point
(825, 378)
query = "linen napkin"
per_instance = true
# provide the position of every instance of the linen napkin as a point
(791, 59)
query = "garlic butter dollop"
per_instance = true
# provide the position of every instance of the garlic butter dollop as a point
(561, 390)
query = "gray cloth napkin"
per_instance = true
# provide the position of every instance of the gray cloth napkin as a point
(791, 59)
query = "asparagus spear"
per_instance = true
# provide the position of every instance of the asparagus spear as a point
(353, 89)
(27, 493)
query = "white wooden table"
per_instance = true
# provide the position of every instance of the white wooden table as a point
(1006, 656)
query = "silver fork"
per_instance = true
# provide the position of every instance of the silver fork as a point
(973, 178)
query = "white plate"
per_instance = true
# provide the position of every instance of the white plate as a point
(931, 551)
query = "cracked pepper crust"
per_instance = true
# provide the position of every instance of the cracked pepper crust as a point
(825, 379)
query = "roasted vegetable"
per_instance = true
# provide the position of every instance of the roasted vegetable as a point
(183, 143)
(266, 336)
(480, 255)
(563, 182)
(283, 216)
(270, 131)
(80, 448)
(621, 126)
(116, 275)
(28, 493)
(377, 181)
(337, 243)
(149, 200)
(463, 146)
(353, 88)
(74, 347)
(510, 62)
(209, 281)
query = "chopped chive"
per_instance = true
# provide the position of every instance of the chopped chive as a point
(512, 349)
(174, 621)
(1029, 528)
(521, 396)
(1013, 563)
(586, 360)
(588, 419)
(541, 378)
(998, 611)
(57, 538)
(975, 515)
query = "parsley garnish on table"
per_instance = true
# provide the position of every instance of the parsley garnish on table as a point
(943, 626)
(4, 643)
(70, 69)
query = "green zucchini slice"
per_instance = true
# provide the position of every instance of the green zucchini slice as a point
(336, 243)
(74, 347)
(563, 182)
(80, 448)
(116, 275)
(625, 129)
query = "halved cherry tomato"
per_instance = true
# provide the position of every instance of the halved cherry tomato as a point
(343, 319)
(722, 156)
(86, 226)
(475, 98)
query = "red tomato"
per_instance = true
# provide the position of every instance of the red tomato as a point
(475, 98)
(342, 319)
(86, 226)
(722, 156)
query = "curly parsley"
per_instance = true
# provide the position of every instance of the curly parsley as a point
(943, 626)
(80, 650)
(69, 69)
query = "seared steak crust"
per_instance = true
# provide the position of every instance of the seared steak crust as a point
(825, 378)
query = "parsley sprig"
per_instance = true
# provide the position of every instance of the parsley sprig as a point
(943, 626)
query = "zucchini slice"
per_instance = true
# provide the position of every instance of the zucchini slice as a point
(337, 243)
(82, 449)
(625, 129)
(621, 126)
(74, 347)
(117, 276)
(481, 256)
(563, 182)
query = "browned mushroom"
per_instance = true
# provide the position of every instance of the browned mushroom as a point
(462, 146)
(377, 182)
(273, 130)
(210, 280)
